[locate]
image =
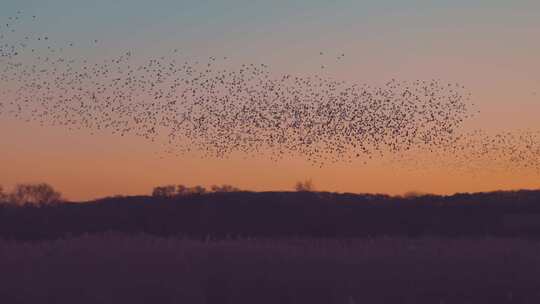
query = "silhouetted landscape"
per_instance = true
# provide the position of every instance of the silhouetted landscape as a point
(281, 214)
(103, 97)
(272, 247)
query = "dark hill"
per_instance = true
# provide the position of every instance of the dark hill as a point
(283, 214)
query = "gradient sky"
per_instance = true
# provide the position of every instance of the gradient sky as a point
(489, 46)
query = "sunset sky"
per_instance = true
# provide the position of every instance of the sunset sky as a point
(490, 46)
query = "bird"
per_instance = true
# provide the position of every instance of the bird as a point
(184, 105)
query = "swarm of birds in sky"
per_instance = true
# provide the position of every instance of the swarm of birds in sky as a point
(477, 152)
(216, 110)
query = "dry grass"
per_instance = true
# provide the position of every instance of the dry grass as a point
(144, 269)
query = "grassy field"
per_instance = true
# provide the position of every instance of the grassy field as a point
(115, 268)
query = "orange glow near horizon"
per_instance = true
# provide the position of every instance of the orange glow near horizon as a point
(84, 167)
(492, 51)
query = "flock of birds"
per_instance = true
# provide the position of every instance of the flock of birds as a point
(215, 110)
(479, 152)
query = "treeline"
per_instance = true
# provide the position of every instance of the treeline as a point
(182, 190)
(41, 194)
(282, 214)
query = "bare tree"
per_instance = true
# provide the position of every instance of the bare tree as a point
(224, 188)
(35, 194)
(3, 196)
(305, 186)
(197, 190)
(164, 191)
(181, 190)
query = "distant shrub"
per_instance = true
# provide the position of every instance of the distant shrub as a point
(181, 190)
(164, 191)
(34, 194)
(224, 188)
(176, 191)
(305, 186)
(3, 196)
(198, 190)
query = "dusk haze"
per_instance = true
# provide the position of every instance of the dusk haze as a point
(269, 151)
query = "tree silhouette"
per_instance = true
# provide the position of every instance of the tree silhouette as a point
(197, 190)
(304, 186)
(164, 191)
(3, 196)
(181, 190)
(224, 188)
(35, 194)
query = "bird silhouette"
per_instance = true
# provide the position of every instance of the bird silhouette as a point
(188, 105)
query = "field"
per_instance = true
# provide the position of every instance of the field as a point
(118, 268)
